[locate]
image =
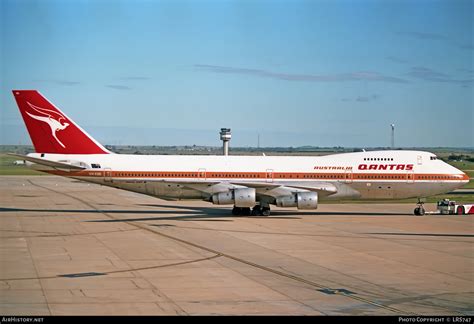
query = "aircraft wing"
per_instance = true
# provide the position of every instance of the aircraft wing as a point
(66, 165)
(267, 189)
(208, 187)
(282, 189)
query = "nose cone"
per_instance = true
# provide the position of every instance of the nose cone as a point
(463, 177)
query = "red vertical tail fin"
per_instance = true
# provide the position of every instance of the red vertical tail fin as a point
(51, 131)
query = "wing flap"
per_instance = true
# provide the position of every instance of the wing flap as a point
(283, 188)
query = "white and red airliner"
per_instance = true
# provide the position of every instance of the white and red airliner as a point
(250, 183)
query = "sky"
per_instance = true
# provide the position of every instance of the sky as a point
(294, 73)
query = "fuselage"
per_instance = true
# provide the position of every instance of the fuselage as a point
(366, 175)
(250, 183)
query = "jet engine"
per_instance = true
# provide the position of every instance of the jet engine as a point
(302, 200)
(244, 197)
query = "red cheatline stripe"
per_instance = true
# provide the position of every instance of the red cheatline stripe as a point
(263, 175)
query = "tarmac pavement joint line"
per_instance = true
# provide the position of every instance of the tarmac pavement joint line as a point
(60, 234)
(218, 254)
(88, 274)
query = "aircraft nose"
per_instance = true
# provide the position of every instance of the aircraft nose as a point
(465, 177)
(461, 176)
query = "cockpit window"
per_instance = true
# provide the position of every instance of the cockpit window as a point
(433, 158)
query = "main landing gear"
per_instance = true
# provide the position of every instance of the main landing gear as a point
(419, 210)
(258, 210)
(241, 211)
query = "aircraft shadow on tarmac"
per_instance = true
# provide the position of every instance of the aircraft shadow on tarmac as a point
(194, 213)
(193, 210)
(283, 212)
(189, 213)
(94, 211)
(423, 234)
(180, 215)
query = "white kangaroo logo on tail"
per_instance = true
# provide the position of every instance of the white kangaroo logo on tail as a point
(52, 118)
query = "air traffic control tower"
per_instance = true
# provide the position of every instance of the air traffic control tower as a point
(225, 138)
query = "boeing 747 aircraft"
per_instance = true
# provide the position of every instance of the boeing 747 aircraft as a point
(250, 183)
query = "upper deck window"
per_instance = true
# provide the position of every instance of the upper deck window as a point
(378, 159)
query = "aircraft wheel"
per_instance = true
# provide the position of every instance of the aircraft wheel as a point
(246, 211)
(236, 211)
(460, 210)
(266, 211)
(256, 211)
(417, 211)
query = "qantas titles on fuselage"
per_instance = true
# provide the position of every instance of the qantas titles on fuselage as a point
(407, 167)
(333, 168)
(250, 183)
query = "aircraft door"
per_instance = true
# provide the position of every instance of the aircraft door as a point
(410, 176)
(419, 160)
(348, 176)
(107, 175)
(202, 174)
(269, 175)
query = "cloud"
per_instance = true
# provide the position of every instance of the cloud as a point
(118, 87)
(469, 47)
(367, 99)
(469, 71)
(136, 78)
(352, 76)
(362, 98)
(423, 36)
(424, 73)
(396, 59)
(60, 82)
(436, 37)
(428, 74)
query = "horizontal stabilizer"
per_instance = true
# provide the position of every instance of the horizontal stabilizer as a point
(49, 163)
